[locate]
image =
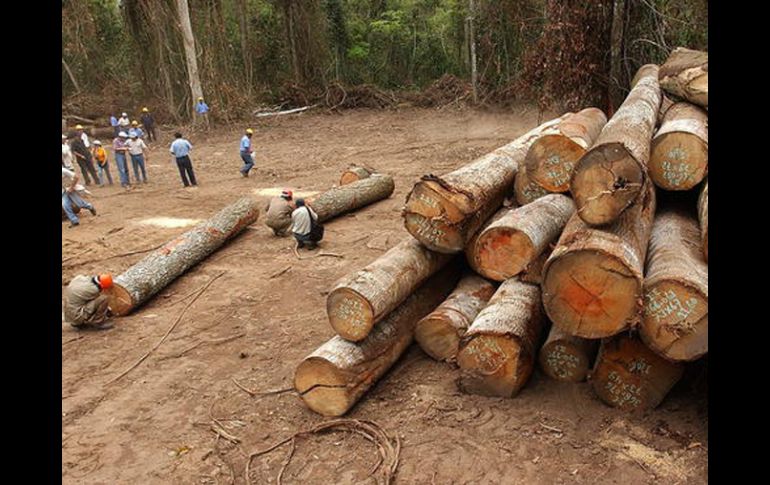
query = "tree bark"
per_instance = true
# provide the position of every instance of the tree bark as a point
(245, 52)
(508, 245)
(609, 177)
(551, 159)
(439, 333)
(675, 322)
(188, 39)
(498, 352)
(525, 189)
(564, 357)
(347, 198)
(616, 47)
(679, 153)
(686, 74)
(71, 76)
(444, 212)
(703, 218)
(334, 377)
(592, 283)
(355, 173)
(363, 298)
(629, 376)
(472, 42)
(153, 273)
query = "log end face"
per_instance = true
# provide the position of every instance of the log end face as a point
(437, 337)
(562, 361)
(503, 253)
(675, 323)
(551, 160)
(350, 314)
(121, 302)
(322, 387)
(493, 365)
(678, 161)
(434, 234)
(348, 178)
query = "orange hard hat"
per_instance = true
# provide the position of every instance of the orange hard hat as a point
(105, 281)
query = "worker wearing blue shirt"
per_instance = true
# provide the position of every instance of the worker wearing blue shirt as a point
(180, 148)
(246, 151)
(203, 111)
(114, 124)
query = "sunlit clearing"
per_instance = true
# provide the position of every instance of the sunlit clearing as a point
(168, 222)
(276, 191)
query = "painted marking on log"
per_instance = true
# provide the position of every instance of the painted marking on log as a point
(675, 169)
(532, 191)
(350, 311)
(429, 201)
(562, 363)
(622, 393)
(558, 170)
(639, 366)
(662, 305)
(487, 354)
(428, 231)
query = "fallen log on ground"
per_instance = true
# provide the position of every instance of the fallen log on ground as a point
(363, 298)
(686, 74)
(679, 152)
(444, 212)
(630, 376)
(355, 173)
(510, 243)
(347, 198)
(609, 177)
(551, 159)
(498, 352)
(675, 322)
(439, 333)
(153, 273)
(525, 189)
(565, 357)
(592, 283)
(334, 377)
(703, 218)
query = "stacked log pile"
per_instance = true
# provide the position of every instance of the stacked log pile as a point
(587, 272)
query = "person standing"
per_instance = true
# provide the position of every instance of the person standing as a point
(278, 213)
(203, 111)
(135, 129)
(305, 227)
(120, 148)
(137, 149)
(86, 304)
(124, 123)
(82, 135)
(83, 157)
(70, 196)
(246, 152)
(148, 121)
(180, 148)
(66, 154)
(102, 164)
(114, 125)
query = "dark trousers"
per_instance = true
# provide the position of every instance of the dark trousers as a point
(87, 168)
(151, 135)
(185, 168)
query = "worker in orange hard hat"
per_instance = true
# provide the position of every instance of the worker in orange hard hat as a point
(85, 303)
(278, 213)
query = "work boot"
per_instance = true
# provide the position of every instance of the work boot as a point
(93, 210)
(73, 224)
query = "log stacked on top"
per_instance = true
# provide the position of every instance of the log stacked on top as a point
(607, 271)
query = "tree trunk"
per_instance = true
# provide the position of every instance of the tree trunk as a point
(616, 47)
(592, 283)
(71, 76)
(525, 189)
(686, 74)
(630, 376)
(534, 272)
(551, 159)
(509, 244)
(675, 322)
(609, 177)
(679, 153)
(444, 212)
(334, 377)
(439, 333)
(498, 352)
(363, 298)
(355, 173)
(472, 41)
(350, 197)
(703, 218)
(153, 273)
(245, 52)
(564, 357)
(193, 76)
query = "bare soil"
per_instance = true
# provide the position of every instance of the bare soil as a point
(155, 424)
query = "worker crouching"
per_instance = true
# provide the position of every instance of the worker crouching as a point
(305, 226)
(278, 213)
(85, 304)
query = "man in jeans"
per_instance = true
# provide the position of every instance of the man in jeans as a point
(180, 148)
(70, 196)
(120, 148)
(137, 149)
(102, 164)
(246, 151)
(83, 157)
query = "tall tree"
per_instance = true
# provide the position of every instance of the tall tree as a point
(193, 76)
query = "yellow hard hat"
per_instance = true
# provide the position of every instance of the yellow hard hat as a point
(200, 99)
(249, 131)
(78, 127)
(134, 123)
(145, 110)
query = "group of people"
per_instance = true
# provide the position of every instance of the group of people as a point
(283, 214)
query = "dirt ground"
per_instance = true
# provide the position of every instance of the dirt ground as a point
(155, 424)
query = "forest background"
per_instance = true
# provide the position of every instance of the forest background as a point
(119, 55)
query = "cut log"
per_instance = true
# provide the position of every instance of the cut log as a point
(675, 323)
(153, 273)
(592, 283)
(498, 352)
(439, 333)
(665, 104)
(506, 246)
(102, 132)
(551, 159)
(525, 189)
(334, 377)
(347, 198)
(703, 218)
(355, 173)
(363, 298)
(565, 357)
(679, 153)
(534, 272)
(686, 74)
(609, 177)
(444, 212)
(630, 376)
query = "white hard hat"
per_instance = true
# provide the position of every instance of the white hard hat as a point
(124, 114)
(97, 142)
(123, 134)
(63, 137)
